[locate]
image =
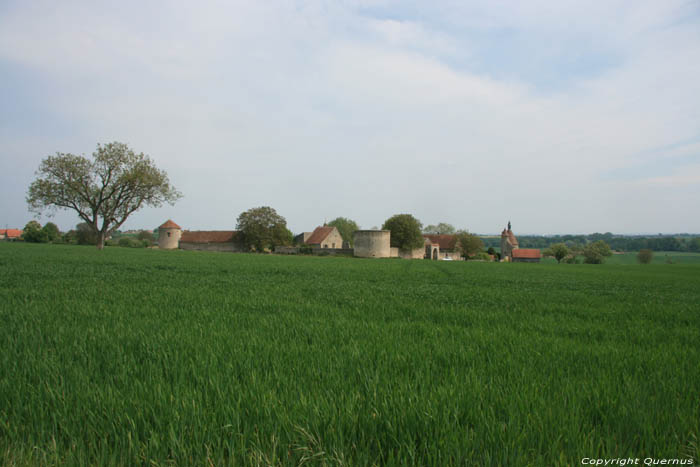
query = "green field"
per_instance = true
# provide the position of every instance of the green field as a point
(146, 357)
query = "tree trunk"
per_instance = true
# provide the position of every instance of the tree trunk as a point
(100, 240)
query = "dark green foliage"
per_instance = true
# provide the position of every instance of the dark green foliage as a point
(52, 232)
(468, 244)
(441, 228)
(645, 256)
(133, 242)
(405, 231)
(33, 233)
(346, 228)
(146, 237)
(491, 251)
(85, 234)
(262, 229)
(596, 252)
(559, 251)
(145, 357)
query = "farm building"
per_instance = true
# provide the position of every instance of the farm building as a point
(526, 255)
(446, 246)
(210, 240)
(169, 235)
(324, 237)
(511, 251)
(10, 234)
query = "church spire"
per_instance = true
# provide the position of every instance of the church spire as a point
(509, 225)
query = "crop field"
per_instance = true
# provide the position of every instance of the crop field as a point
(147, 357)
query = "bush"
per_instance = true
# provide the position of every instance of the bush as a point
(645, 256)
(33, 233)
(146, 237)
(305, 250)
(131, 242)
(482, 256)
(596, 252)
(573, 259)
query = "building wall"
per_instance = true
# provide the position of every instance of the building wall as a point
(418, 253)
(526, 260)
(452, 254)
(229, 247)
(302, 237)
(169, 242)
(372, 243)
(333, 240)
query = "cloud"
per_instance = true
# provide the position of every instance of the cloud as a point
(463, 112)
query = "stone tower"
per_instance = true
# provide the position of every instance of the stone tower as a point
(508, 243)
(372, 243)
(169, 235)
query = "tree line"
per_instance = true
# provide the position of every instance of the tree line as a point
(684, 243)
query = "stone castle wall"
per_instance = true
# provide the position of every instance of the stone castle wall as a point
(372, 243)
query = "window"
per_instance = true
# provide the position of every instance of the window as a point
(168, 234)
(333, 245)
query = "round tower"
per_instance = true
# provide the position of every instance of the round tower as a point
(169, 235)
(372, 243)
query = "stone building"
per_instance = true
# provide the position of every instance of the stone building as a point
(210, 240)
(169, 235)
(511, 251)
(372, 243)
(446, 246)
(324, 237)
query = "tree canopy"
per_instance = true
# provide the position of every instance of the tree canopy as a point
(405, 231)
(33, 233)
(346, 227)
(441, 228)
(559, 251)
(262, 228)
(468, 243)
(103, 191)
(596, 252)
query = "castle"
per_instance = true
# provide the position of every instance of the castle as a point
(511, 251)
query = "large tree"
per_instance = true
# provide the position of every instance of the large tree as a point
(468, 244)
(405, 231)
(559, 251)
(262, 228)
(103, 191)
(33, 233)
(596, 252)
(346, 227)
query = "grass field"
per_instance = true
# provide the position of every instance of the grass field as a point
(145, 357)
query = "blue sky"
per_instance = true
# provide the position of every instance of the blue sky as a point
(560, 116)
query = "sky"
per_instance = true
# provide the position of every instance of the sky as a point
(562, 117)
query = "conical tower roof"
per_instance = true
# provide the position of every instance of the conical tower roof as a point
(169, 224)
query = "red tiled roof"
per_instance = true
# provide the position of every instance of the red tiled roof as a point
(170, 225)
(529, 253)
(208, 236)
(445, 241)
(11, 233)
(319, 235)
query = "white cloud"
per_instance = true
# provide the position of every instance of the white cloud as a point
(322, 110)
